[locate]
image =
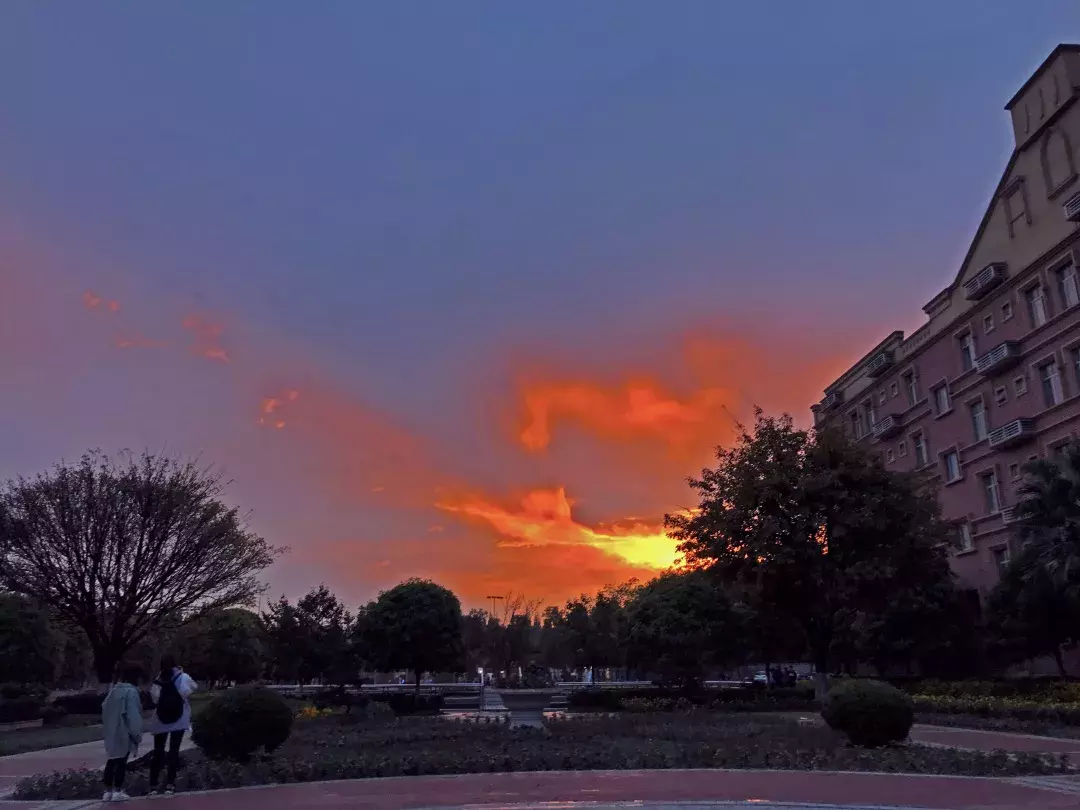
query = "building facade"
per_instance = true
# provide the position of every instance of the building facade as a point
(992, 379)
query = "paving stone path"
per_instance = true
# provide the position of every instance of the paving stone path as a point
(611, 790)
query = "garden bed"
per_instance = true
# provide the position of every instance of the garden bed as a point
(1041, 728)
(338, 747)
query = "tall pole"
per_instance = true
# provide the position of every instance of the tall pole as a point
(494, 599)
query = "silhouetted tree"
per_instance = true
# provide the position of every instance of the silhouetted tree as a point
(121, 547)
(415, 626)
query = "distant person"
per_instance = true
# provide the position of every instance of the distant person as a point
(172, 717)
(122, 724)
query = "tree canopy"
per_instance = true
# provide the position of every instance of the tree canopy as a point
(817, 525)
(120, 547)
(415, 626)
(680, 624)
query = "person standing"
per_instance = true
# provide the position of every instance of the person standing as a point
(171, 694)
(122, 723)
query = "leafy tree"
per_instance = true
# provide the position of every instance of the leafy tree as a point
(415, 626)
(29, 646)
(118, 548)
(682, 623)
(1032, 613)
(227, 646)
(285, 643)
(313, 640)
(816, 524)
(1049, 515)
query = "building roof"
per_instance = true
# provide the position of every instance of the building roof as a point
(1062, 48)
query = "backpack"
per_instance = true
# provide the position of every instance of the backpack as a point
(170, 705)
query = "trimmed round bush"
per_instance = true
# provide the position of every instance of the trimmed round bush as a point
(241, 721)
(870, 713)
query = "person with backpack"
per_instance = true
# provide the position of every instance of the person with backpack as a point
(122, 722)
(172, 717)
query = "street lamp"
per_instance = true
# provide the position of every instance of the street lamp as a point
(494, 599)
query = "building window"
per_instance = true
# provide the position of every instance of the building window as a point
(1074, 356)
(1016, 207)
(952, 466)
(1006, 311)
(990, 492)
(869, 415)
(894, 390)
(903, 449)
(978, 420)
(1051, 384)
(941, 400)
(890, 456)
(1036, 303)
(1070, 293)
(881, 397)
(856, 425)
(1020, 386)
(1002, 558)
(963, 532)
(988, 324)
(1001, 395)
(918, 442)
(1014, 472)
(967, 351)
(911, 387)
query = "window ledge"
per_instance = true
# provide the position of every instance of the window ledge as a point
(1060, 187)
(944, 413)
(964, 552)
(954, 481)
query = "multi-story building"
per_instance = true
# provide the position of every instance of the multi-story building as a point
(992, 379)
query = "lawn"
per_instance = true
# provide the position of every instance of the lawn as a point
(38, 739)
(339, 747)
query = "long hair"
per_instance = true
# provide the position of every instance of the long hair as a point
(168, 664)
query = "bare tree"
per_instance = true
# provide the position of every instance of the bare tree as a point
(125, 547)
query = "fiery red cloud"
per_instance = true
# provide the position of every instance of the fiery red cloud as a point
(206, 334)
(328, 444)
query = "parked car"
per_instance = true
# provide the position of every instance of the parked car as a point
(761, 677)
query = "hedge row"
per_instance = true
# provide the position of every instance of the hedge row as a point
(738, 699)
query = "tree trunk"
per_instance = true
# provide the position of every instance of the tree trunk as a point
(105, 661)
(418, 674)
(1059, 659)
(821, 677)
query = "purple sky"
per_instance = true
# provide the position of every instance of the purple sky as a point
(435, 220)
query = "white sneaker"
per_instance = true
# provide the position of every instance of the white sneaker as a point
(120, 796)
(107, 796)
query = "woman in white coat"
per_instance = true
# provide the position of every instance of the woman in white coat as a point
(172, 717)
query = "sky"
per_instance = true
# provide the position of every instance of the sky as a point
(466, 291)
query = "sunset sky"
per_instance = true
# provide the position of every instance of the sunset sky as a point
(466, 290)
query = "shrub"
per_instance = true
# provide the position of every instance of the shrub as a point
(80, 703)
(1066, 714)
(20, 709)
(239, 722)
(871, 713)
(9, 691)
(378, 712)
(409, 703)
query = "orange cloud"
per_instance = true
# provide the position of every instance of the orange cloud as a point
(136, 340)
(639, 407)
(712, 383)
(207, 337)
(92, 300)
(544, 518)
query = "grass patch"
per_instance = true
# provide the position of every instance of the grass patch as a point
(1040, 728)
(39, 739)
(339, 747)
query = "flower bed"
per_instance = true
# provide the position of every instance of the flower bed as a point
(340, 748)
(1052, 713)
(1041, 728)
(781, 699)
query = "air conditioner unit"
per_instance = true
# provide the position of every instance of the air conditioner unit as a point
(1072, 208)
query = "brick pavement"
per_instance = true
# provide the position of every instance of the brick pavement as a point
(659, 789)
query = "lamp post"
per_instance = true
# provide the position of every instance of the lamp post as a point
(494, 599)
